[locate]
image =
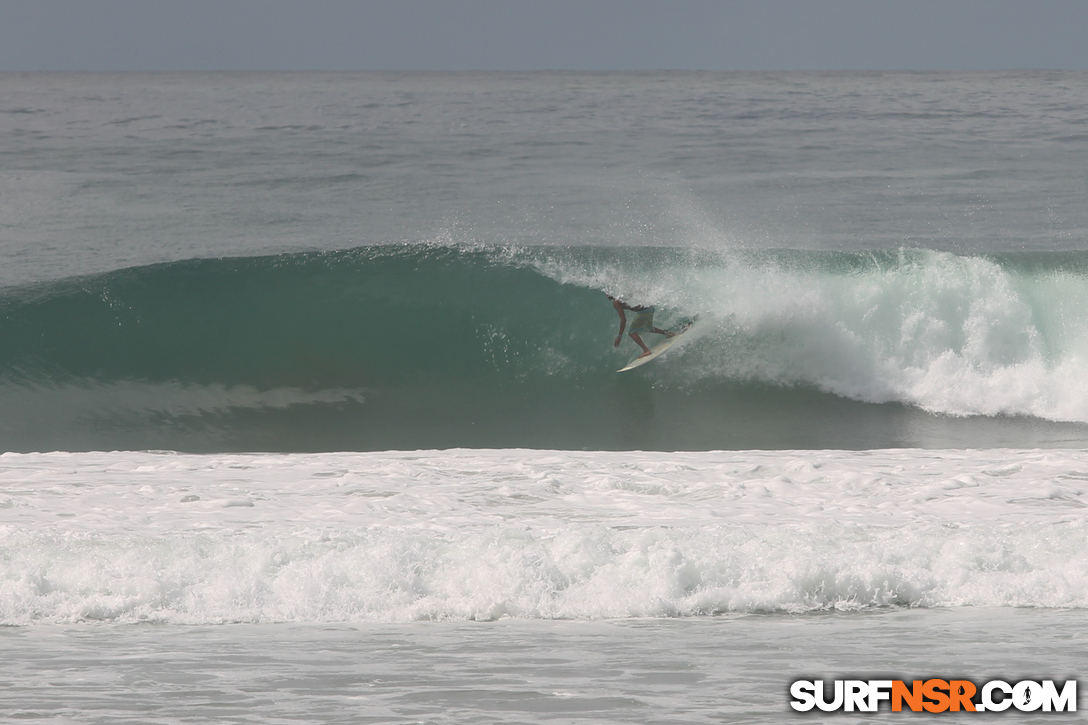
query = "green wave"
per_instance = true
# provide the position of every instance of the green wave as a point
(420, 346)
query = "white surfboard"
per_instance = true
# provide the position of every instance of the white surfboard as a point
(655, 351)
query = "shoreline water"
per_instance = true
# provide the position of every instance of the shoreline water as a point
(702, 670)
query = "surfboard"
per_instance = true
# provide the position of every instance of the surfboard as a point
(655, 351)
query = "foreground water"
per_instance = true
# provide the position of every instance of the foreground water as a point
(471, 534)
(704, 670)
(527, 586)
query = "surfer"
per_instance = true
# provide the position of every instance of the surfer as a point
(642, 322)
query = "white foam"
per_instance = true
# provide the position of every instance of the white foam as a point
(87, 397)
(491, 533)
(401, 536)
(950, 334)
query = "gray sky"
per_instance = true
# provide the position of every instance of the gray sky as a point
(541, 34)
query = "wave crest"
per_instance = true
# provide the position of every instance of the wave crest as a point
(429, 340)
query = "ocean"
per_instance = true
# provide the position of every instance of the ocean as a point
(309, 409)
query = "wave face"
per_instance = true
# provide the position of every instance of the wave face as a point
(421, 346)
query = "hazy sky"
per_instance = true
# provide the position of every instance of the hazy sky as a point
(541, 34)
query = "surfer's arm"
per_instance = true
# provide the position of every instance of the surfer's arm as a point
(623, 321)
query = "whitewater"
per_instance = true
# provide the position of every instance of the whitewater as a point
(309, 411)
(481, 535)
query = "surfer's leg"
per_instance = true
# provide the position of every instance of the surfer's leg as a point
(666, 333)
(640, 343)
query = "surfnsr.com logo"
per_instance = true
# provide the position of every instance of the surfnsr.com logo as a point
(935, 695)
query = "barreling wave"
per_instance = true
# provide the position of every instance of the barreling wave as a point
(435, 346)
